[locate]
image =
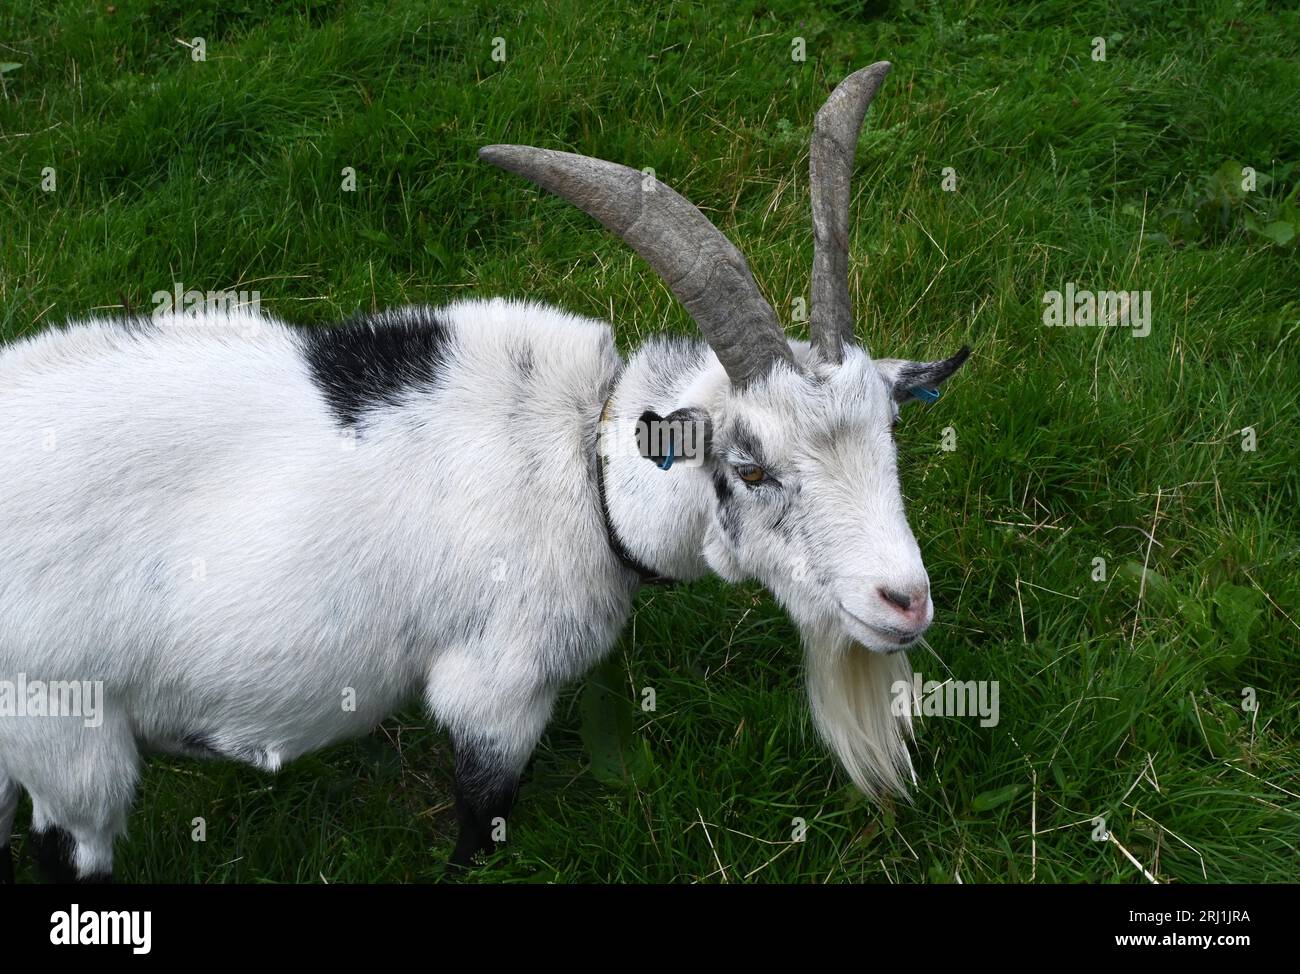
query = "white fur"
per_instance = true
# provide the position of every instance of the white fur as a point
(182, 517)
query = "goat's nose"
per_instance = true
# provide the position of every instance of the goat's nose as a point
(909, 603)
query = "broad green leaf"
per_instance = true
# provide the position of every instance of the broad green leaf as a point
(608, 729)
(992, 799)
(1156, 590)
(1279, 231)
(1236, 609)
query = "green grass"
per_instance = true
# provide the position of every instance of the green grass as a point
(1118, 698)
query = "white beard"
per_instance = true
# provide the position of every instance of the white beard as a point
(850, 689)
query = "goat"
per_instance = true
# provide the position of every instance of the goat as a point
(260, 540)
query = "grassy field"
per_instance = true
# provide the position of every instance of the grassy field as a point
(1120, 697)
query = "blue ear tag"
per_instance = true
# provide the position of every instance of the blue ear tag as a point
(668, 460)
(925, 395)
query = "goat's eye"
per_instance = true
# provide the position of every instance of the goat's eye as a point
(751, 473)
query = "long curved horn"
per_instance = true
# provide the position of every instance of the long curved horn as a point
(830, 164)
(700, 266)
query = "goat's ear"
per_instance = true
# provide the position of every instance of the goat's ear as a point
(919, 380)
(684, 436)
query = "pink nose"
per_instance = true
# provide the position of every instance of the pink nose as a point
(909, 605)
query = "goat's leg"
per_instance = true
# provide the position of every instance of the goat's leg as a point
(495, 723)
(82, 782)
(78, 852)
(486, 785)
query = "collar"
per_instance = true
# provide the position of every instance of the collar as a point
(648, 576)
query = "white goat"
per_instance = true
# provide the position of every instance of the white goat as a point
(260, 540)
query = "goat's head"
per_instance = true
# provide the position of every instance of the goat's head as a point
(799, 445)
(806, 494)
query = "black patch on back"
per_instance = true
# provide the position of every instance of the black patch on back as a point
(371, 360)
(6, 864)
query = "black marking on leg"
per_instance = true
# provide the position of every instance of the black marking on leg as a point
(485, 790)
(371, 360)
(53, 850)
(6, 865)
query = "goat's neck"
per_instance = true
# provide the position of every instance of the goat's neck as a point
(661, 517)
